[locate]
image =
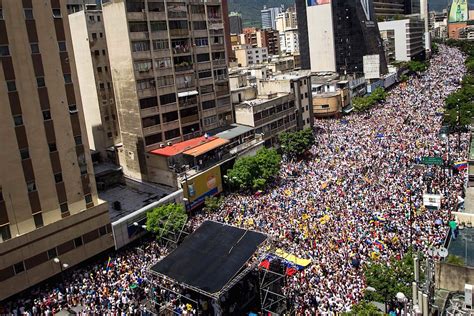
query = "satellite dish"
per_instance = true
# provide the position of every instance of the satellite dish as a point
(442, 252)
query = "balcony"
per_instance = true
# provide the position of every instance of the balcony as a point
(170, 125)
(150, 92)
(156, 16)
(179, 32)
(187, 102)
(136, 36)
(219, 63)
(136, 16)
(183, 67)
(181, 50)
(220, 93)
(151, 130)
(169, 107)
(222, 77)
(189, 119)
(149, 111)
(177, 14)
(191, 84)
(216, 47)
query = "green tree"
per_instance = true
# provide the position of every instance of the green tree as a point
(255, 171)
(212, 203)
(362, 104)
(295, 144)
(417, 66)
(388, 280)
(166, 219)
(364, 308)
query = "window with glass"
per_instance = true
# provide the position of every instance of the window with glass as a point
(164, 81)
(140, 46)
(28, 14)
(163, 63)
(201, 41)
(160, 44)
(142, 65)
(157, 26)
(4, 50)
(38, 218)
(18, 120)
(137, 26)
(145, 84)
(199, 25)
(34, 48)
(24, 153)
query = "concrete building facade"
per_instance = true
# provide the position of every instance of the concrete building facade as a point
(269, 115)
(95, 80)
(407, 38)
(49, 206)
(269, 17)
(171, 81)
(246, 55)
(235, 23)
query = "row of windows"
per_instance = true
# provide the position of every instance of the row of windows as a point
(40, 82)
(5, 50)
(40, 258)
(30, 16)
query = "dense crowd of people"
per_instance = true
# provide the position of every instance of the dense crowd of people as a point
(359, 197)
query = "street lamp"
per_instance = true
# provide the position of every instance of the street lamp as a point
(62, 265)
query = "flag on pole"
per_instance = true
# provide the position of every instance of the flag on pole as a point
(460, 165)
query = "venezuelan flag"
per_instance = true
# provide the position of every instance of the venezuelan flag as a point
(460, 165)
(380, 245)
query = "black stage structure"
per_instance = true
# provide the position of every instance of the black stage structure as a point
(213, 259)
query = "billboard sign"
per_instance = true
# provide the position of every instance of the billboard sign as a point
(459, 11)
(208, 183)
(317, 2)
(371, 66)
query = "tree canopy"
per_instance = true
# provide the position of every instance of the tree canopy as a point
(362, 104)
(295, 144)
(389, 279)
(166, 219)
(461, 102)
(212, 203)
(418, 66)
(255, 171)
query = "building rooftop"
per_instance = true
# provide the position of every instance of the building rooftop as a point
(463, 245)
(178, 148)
(264, 98)
(291, 75)
(206, 147)
(132, 196)
(235, 131)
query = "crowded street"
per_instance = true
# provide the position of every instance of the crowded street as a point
(357, 197)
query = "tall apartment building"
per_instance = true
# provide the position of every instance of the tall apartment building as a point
(335, 36)
(235, 23)
(286, 20)
(269, 17)
(95, 79)
(267, 38)
(407, 38)
(169, 72)
(49, 206)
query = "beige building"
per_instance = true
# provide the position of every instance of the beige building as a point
(297, 84)
(330, 103)
(48, 201)
(269, 115)
(247, 55)
(169, 72)
(286, 20)
(95, 79)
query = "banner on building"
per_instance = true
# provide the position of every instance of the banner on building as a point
(459, 11)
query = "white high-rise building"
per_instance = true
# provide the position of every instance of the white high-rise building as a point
(269, 17)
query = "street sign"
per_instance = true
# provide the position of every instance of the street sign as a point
(432, 161)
